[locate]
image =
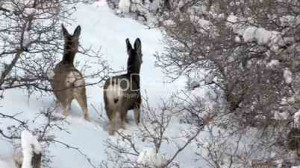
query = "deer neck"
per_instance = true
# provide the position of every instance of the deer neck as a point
(135, 77)
(68, 57)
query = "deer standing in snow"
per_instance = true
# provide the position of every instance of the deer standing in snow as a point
(68, 82)
(122, 93)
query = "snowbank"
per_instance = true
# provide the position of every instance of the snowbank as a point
(150, 158)
(30, 145)
(124, 6)
(262, 36)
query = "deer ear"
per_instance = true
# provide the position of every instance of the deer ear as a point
(129, 47)
(138, 45)
(64, 30)
(77, 31)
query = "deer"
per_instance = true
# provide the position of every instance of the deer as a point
(122, 92)
(68, 82)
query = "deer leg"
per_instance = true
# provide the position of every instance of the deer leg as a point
(112, 122)
(123, 115)
(137, 112)
(66, 106)
(36, 160)
(81, 99)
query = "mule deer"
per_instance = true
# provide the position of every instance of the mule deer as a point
(122, 93)
(68, 82)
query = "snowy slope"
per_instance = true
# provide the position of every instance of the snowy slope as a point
(100, 28)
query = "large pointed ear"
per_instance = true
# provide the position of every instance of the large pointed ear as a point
(138, 45)
(64, 30)
(129, 47)
(77, 31)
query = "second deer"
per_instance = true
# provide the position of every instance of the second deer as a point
(68, 82)
(122, 93)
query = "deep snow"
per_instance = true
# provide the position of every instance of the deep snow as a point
(100, 28)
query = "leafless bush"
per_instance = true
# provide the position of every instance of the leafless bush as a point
(255, 76)
(49, 125)
(128, 148)
(257, 80)
(31, 43)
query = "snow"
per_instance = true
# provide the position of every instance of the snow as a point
(261, 35)
(30, 145)
(204, 24)
(232, 19)
(209, 78)
(29, 11)
(297, 117)
(6, 163)
(289, 20)
(273, 63)
(50, 74)
(287, 74)
(237, 39)
(26, 38)
(2, 68)
(281, 116)
(154, 5)
(124, 6)
(106, 30)
(149, 157)
(100, 3)
(28, 2)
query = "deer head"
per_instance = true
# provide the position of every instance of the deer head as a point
(135, 57)
(71, 44)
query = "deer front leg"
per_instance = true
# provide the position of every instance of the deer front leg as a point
(123, 115)
(113, 119)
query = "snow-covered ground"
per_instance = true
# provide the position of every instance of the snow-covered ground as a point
(100, 28)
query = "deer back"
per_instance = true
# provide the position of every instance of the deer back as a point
(67, 77)
(128, 84)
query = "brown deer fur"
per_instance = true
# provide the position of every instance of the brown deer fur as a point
(68, 82)
(122, 93)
